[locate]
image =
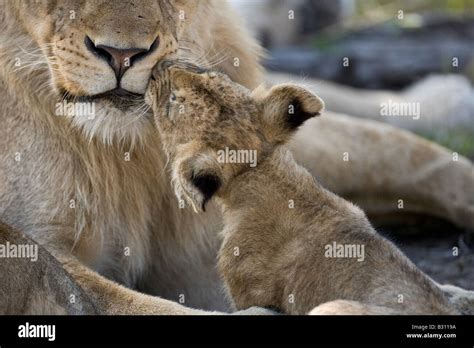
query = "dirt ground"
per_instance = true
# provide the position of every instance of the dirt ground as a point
(434, 253)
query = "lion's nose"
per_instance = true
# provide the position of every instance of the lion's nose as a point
(118, 58)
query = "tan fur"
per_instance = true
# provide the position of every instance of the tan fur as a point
(66, 182)
(72, 188)
(274, 254)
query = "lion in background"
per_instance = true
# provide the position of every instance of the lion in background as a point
(94, 191)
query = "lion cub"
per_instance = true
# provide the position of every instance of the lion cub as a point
(289, 244)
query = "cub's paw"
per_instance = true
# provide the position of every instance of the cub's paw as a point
(462, 300)
(256, 311)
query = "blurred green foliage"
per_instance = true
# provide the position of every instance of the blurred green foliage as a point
(373, 12)
(453, 6)
(458, 140)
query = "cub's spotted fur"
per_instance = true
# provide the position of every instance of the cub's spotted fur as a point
(278, 220)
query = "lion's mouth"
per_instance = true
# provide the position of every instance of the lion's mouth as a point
(119, 98)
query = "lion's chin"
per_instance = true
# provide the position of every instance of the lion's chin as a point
(109, 123)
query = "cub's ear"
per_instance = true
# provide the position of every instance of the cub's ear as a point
(285, 108)
(207, 184)
(197, 179)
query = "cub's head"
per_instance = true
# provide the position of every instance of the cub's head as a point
(101, 53)
(213, 129)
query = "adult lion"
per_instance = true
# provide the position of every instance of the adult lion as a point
(92, 187)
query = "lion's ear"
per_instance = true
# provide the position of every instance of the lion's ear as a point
(286, 107)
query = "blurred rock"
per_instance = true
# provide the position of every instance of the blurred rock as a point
(320, 14)
(278, 23)
(386, 56)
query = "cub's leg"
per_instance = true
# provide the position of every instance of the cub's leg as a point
(462, 300)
